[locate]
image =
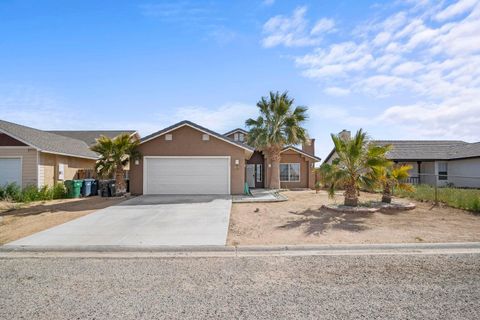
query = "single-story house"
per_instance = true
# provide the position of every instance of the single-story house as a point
(186, 158)
(30, 156)
(439, 162)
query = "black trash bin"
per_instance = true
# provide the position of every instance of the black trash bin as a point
(127, 182)
(103, 188)
(112, 190)
(87, 187)
(94, 187)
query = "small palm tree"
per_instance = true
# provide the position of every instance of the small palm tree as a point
(353, 167)
(276, 127)
(393, 176)
(115, 154)
(323, 174)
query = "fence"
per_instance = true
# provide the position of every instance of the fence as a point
(454, 190)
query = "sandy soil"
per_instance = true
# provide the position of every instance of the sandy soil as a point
(301, 221)
(20, 220)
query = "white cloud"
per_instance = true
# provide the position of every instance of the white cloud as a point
(426, 56)
(407, 68)
(223, 118)
(336, 91)
(42, 109)
(295, 30)
(268, 2)
(322, 25)
(455, 9)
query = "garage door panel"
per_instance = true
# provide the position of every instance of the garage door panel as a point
(10, 171)
(187, 175)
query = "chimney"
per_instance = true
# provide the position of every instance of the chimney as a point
(309, 147)
(345, 135)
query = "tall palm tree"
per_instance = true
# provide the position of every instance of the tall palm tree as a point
(115, 154)
(277, 126)
(353, 167)
(392, 176)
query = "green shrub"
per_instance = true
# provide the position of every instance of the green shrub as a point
(12, 192)
(59, 191)
(29, 194)
(468, 199)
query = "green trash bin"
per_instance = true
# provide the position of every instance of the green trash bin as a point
(73, 188)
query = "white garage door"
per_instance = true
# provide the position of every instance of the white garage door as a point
(186, 175)
(10, 171)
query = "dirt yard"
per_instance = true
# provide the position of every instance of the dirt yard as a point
(20, 220)
(301, 221)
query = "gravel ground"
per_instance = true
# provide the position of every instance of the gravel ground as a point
(329, 287)
(301, 220)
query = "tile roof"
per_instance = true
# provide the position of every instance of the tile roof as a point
(428, 149)
(90, 136)
(46, 141)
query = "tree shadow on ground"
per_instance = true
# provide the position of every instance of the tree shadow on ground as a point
(317, 221)
(81, 204)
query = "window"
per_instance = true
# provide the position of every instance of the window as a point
(168, 137)
(235, 137)
(205, 137)
(241, 137)
(259, 173)
(442, 171)
(290, 172)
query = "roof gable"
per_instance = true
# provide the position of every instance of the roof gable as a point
(46, 141)
(301, 152)
(235, 131)
(196, 127)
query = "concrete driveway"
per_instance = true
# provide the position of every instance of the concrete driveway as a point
(145, 220)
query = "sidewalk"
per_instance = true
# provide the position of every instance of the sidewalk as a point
(7, 251)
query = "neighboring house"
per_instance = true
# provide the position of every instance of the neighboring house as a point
(30, 156)
(433, 162)
(186, 158)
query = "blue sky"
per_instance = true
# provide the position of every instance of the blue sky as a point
(400, 70)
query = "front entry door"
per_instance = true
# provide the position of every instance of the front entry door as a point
(251, 175)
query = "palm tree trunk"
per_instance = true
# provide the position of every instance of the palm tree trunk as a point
(275, 175)
(387, 194)
(351, 196)
(120, 180)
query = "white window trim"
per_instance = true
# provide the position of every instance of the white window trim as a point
(168, 137)
(205, 137)
(21, 166)
(299, 172)
(235, 137)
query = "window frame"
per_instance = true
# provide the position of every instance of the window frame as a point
(289, 175)
(442, 175)
(259, 173)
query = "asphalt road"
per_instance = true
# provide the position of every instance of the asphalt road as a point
(308, 287)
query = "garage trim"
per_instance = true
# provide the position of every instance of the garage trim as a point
(21, 166)
(186, 157)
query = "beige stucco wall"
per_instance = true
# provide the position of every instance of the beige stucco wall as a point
(307, 176)
(188, 142)
(29, 162)
(48, 167)
(464, 172)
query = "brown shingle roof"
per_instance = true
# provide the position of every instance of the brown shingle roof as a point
(90, 136)
(46, 141)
